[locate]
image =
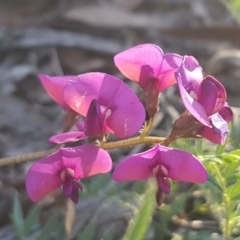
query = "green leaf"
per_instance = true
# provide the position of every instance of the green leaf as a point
(31, 219)
(230, 169)
(233, 190)
(138, 227)
(236, 152)
(17, 217)
(212, 181)
(229, 158)
(48, 228)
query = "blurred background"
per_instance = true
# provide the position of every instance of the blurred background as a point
(59, 37)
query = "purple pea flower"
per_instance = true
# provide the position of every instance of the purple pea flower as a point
(162, 163)
(65, 168)
(108, 104)
(67, 137)
(92, 127)
(202, 97)
(153, 70)
(205, 99)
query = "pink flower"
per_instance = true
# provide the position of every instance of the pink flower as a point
(54, 87)
(108, 104)
(153, 70)
(64, 168)
(162, 163)
(205, 99)
(67, 137)
(147, 64)
(202, 97)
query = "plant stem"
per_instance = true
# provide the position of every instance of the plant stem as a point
(107, 146)
(131, 142)
(226, 228)
(26, 157)
(148, 127)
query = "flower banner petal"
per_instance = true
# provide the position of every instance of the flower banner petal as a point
(54, 87)
(113, 95)
(171, 62)
(140, 63)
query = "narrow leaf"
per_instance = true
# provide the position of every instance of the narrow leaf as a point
(213, 181)
(49, 227)
(17, 217)
(138, 227)
(31, 219)
(88, 232)
(233, 190)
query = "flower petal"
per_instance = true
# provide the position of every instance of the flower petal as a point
(71, 188)
(79, 94)
(54, 87)
(44, 176)
(94, 122)
(113, 95)
(182, 165)
(140, 63)
(207, 96)
(191, 75)
(146, 62)
(218, 133)
(171, 62)
(67, 137)
(164, 184)
(80, 125)
(212, 92)
(86, 160)
(194, 107)
(226, 113)
(136, 167)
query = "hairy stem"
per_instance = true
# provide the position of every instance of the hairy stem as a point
(107, 146)
(148, 127)
(26, 157)
(131, 142)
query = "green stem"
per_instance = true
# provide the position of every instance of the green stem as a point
(226, 228)
(200, 147)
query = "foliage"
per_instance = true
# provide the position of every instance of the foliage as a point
(25, 227)
(234, 6)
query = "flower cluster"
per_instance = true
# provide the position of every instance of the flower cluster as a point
(99, 104)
